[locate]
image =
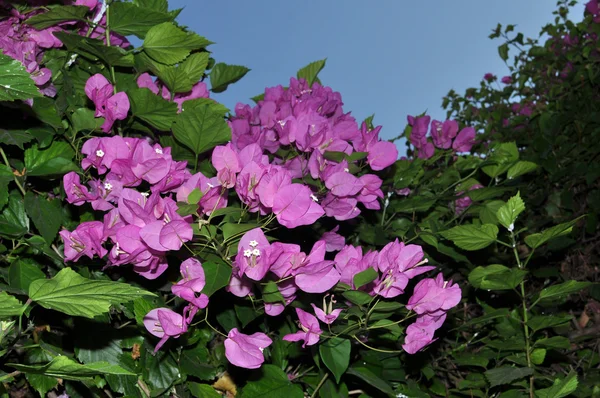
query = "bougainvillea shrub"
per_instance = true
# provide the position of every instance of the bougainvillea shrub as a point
(156, 243)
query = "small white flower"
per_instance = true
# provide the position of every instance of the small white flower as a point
(210, 185)
(253, 243)
(313, 197)
(261, 349)
(511, 227)
(145, 194)
(99, 153)
(108, 186)
(347, 170)
(256, 252)
(247, 253)
(159, 151)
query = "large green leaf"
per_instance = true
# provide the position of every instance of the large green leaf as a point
(217, 275)
(154, 5)
(335, 354)
(9, 305)
(496, 277)
(536, 240)
(169, 44)
(520, 168)
(56, 159)
(95, 49)
(472, 237)
(540, 322)
(22, 272)
(364, 277)
(152, 108)
(196, 362)
(508, 213)
(311, 71)
(15, 81)
(66, 368)
(560, 388)
(201, 126)
(129, 19)
(180, 79)
(506, 374)
(158, 369)
(371, 379)
(72, 294)
(203, 390)
(273, 383)
(562, 290)
(56, 15)
(222, 75)
(14, 137)
(14, 221)
(45, 214)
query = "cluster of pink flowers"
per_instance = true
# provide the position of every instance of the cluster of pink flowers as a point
(143, 226)
(258, 261)
(298, 126)
(461, 204)
(108, 105)
(444, 135)
(27, 44)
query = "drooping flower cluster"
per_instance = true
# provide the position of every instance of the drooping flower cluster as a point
(143, 226)
(444, 135)
(109, 105)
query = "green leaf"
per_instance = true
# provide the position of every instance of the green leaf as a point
(506, 375)
(413, 204)
(83, 119)
(202, 390)
(496, 277)
(42, 384)
(471, 360)
(9, 305)
(335, 354)
(472, 237)
(14, 221)
(58, 14)
(45, 214)
(508, 213)
(357, 297)
(540, 322)
(562, 289)
(15, 137)
(128, 19)
(222, 75)
(201, 126)
(273, 383)
(503, 51)
(152, 109)
(560, 388)
(538, 355)
(311, 71)
(520, 168)
(169, 44)
(154, 5)
(271, 293)
(181, 79)
(72, 294)
(487, 212)
(15, 81)
(196, 362)
(56, 159)
(66, 368)
(504, 155)
(232, 230)
(159, 369)
(558, 342)
(364, 277)
(94, 49)
(371, 379)
(22, 272)
(217, 276)
(536, 240)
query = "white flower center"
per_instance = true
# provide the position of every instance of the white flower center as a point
(253, 243)
(99, 153)
(247, 253)
(158, 150)
(313, 197)
(256, 252)
(108, 186)
(347, 170)
(145, 194)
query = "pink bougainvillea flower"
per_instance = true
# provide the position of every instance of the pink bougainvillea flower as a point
(164, 323)
(227, 163)
(327, 314)
(246, 351)
(295, 205)
(420, 126)
(489, 77)
(382, 154)
(85, 240)
(432, 295)
(192, 283)
(111, 107)
(343, 184)
(334, 241)
(464, 140)
(420, 334)
(116, 108)
(253, 254)
(506, 80)
(77, 194)
(443, 133)
(427, 150)
(310, 329)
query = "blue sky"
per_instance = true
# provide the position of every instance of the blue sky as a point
(388, 57)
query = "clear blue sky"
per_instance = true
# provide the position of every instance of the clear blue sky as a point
(388, 57)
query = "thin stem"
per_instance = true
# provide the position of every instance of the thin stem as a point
(107, 35)
(314, 394)
(377, 349)
(211, 326)
(525, 313)
(14, 176)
